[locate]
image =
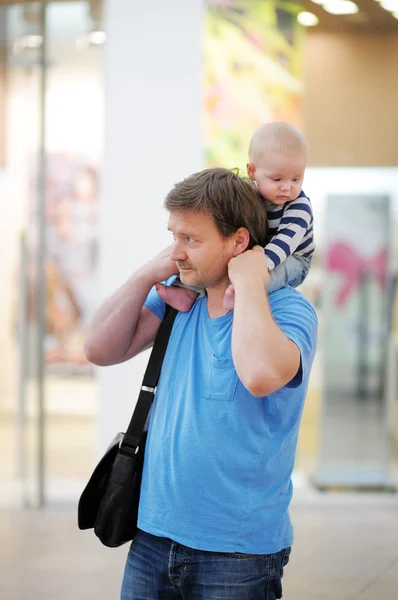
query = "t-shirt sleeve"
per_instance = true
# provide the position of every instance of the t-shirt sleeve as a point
(296, 317)
(293, 227)
(155, 303)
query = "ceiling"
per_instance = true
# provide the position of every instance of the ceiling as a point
(8, 2)
(371, 18)
(29, 1)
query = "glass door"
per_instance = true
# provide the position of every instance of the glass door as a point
(49, 220)
(22, 247)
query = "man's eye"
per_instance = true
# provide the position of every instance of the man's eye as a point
(190, 239)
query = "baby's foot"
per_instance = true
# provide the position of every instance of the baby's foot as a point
(177, 297)
(228, 301)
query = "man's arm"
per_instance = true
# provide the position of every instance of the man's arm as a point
(265, 359)
(123, 327)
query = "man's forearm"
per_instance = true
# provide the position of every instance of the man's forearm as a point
(114, 324)
(264, 358)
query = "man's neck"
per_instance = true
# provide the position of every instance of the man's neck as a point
(215, 296)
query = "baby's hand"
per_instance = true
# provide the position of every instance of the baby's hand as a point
(177, 297)
(228, 301)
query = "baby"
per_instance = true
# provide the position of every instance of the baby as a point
(277, 161)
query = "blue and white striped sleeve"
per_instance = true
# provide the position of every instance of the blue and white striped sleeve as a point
(295, 223)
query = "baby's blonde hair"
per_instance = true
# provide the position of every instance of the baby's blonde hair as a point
(279, 137)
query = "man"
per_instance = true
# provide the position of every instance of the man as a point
(213, 519)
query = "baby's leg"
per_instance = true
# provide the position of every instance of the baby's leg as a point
(178, 296)
(291, 271)
(228, 301)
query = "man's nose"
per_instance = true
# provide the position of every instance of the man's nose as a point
(177, 252)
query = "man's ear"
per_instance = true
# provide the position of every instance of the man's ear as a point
(250, 170)
(241, 239)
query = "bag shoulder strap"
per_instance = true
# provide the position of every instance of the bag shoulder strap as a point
(136, 426)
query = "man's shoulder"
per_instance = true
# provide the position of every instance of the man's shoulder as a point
(295, 316)
(289, 294)
(288, 298)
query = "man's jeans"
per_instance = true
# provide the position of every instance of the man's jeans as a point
(160, 569)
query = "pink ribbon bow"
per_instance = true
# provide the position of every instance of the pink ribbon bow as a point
(343, 258)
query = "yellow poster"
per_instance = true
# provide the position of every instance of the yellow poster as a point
(252, 74)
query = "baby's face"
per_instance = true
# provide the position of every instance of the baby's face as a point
(279, 176)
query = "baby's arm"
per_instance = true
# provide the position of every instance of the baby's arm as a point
(283, 266)
(295, 224)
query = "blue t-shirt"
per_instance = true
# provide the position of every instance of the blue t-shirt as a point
(218, 462)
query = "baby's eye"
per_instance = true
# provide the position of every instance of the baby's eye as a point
(277, 179)
(294, 180)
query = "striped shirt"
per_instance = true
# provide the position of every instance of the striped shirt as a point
(290, 230)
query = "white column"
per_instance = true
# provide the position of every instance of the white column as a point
(152, 140)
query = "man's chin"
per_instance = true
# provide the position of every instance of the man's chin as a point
(187, 277)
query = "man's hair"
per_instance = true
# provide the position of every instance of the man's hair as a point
(231, 200)
(277, 136)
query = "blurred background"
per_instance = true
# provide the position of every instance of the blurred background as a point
(104, 104)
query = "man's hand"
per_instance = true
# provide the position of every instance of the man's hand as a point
(249, 268)
(122, 327)
(160, 267)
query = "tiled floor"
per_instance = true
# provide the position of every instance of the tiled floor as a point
(346, 548)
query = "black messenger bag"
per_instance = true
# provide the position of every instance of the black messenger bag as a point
(109, 502)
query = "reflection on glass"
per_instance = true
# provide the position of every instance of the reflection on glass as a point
(73, 122)
(355, 333)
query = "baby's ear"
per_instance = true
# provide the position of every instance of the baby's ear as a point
(250, 171)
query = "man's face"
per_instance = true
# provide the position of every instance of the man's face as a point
(201, 253)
